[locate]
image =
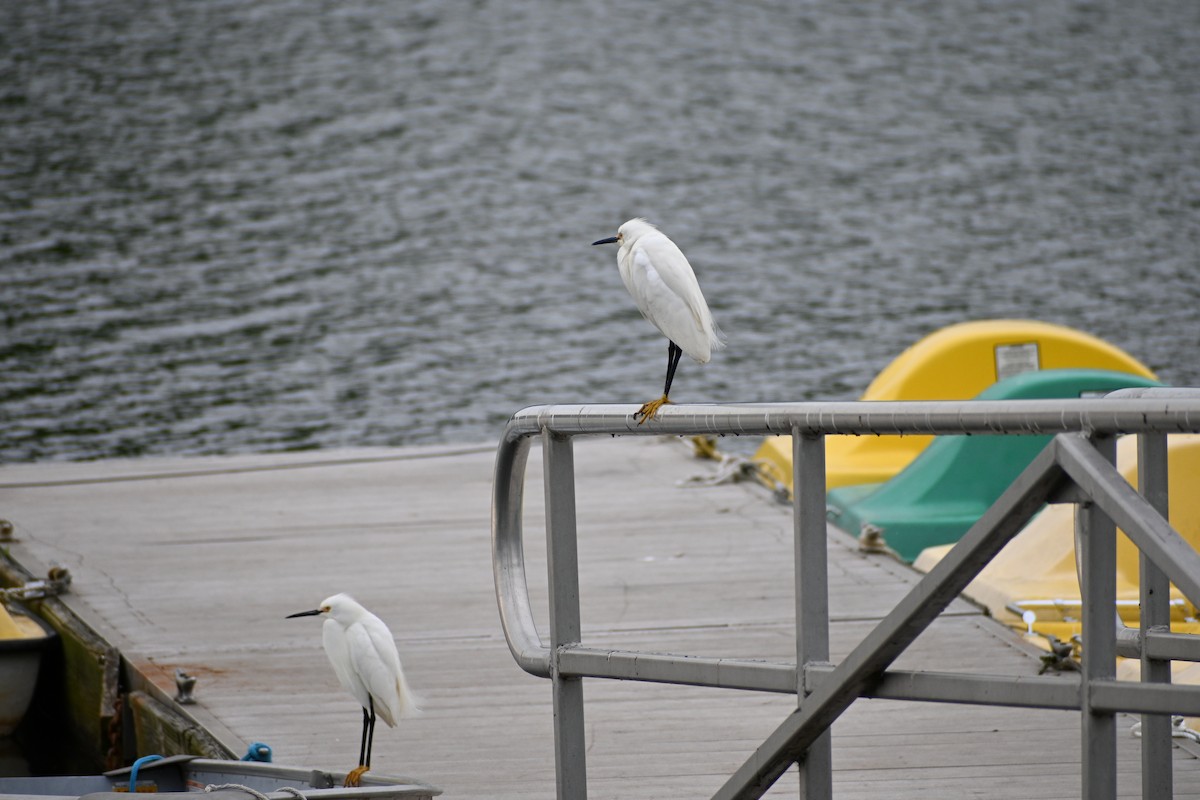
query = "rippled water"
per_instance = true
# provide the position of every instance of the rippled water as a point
(233, 226)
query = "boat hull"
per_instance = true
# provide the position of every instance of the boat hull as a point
(189, 775)
(20, 660)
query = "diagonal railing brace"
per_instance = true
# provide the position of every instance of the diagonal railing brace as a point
(787, 744)
(1132, 513)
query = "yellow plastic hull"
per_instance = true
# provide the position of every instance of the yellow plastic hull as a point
(954, 363)
(1036, 570)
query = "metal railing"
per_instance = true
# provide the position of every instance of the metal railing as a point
(1077, 467)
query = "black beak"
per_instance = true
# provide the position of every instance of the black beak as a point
(609, 240)
(312, 613)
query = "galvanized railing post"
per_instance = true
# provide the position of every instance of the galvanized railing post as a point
(1096, 538)
(1157, 780)
(562, 559)
(812, 595)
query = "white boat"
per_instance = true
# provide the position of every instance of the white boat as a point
(229, 780)
(23, 638)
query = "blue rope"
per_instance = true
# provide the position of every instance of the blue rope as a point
(133, 771)
(258, 752)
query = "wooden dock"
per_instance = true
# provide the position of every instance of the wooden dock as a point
(195, 562)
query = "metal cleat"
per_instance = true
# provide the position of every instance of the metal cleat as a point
(184, 684)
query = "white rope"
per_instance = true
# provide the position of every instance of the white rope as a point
(730, 469)
(1179, 730)
(289, 789)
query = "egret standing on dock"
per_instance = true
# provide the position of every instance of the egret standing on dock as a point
(364, 658)
(666, 291)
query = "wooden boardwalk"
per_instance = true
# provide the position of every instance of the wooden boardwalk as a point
(195, 562)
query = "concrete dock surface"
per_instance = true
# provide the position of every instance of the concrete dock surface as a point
(196, 562)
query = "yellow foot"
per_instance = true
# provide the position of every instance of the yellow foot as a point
(649, 410)
(354, 776)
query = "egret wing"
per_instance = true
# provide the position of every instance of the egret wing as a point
(675, 270)
(665, 289)
(338, 650)
(378, 664)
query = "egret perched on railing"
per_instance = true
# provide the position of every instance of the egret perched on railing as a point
(364, 658)
(666, 291)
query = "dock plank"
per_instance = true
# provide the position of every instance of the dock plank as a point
(195, 563)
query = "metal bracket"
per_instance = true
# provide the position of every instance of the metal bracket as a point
(56, 582)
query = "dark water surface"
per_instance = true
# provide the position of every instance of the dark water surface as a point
(254, 226)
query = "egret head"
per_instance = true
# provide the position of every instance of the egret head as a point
(628, 233)
(339, 606)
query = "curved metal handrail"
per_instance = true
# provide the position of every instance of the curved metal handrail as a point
(1170, 411)
(508, 558)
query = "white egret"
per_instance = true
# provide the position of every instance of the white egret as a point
(364, 658)
(666, 291)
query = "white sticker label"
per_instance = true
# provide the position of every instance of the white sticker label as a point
(1013, 359)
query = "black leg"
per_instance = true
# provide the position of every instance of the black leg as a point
(371, 735)
(362, 747)
(649, 410)
(673, 354)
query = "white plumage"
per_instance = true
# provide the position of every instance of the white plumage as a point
(364, 658)
(664, 288)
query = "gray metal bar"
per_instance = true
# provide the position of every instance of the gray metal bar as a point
(720, 673)
(1154, 589)
(812, 595)
(1157, 645)
(1022, 691)
(1096, 538)
(1145, 698)
(1128, 509)
(1062, 692)
(1015, 691)
(1027, 417)
(1130, 642)
(570, 746)
(763, 676)
(508, 559)
(1163, 646)
(898, 629)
